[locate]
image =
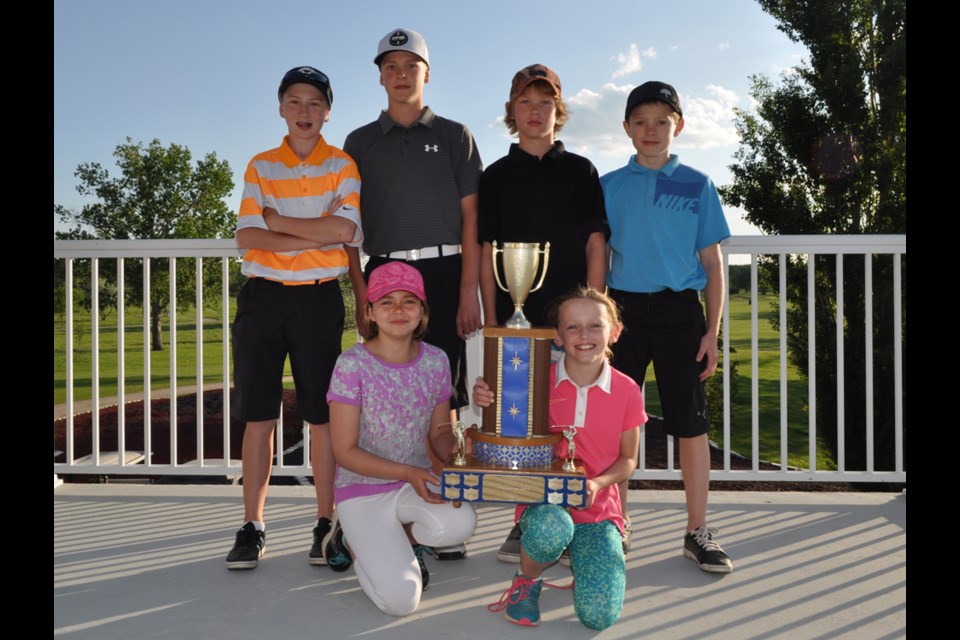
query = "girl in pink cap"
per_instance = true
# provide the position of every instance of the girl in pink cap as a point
(388, 397)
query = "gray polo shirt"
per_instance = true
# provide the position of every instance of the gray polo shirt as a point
(413, 180)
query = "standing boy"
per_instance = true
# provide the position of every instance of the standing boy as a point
(666, 225)
(420, 175)
(300, 206)
(540, 192)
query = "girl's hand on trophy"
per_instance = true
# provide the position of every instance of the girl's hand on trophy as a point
(482, 395)
(592, 489)
(419, 479)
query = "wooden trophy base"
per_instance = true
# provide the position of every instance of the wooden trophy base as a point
(478, 481)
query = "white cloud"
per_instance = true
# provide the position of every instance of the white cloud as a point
(709, 119)
(621, 89)
(722, 94)
(585, 98)
(723, 46)
(630, 62)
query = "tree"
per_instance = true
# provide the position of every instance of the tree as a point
(160, 194)
(825, 152)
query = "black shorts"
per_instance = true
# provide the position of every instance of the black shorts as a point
(273, 321)
(441, 280)
(666, 328)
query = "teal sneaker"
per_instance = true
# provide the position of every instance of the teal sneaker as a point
(419, 550)
(521, 602)
(335, 551)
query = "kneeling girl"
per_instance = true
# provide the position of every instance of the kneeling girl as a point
(388, 397)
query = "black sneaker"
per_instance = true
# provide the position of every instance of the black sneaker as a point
(319, 533)
(699, 546)
(453, 552)
(248, 548)
(335, 550)
(510, 549)
(419, 550)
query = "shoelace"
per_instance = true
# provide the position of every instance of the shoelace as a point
(523, 592)
(704, 538)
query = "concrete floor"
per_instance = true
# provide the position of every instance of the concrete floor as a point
(146, 561)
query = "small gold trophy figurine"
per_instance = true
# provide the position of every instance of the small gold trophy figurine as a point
(459, 428)
(569, 433)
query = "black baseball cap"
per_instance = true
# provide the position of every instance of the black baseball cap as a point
(653, 90)
(308, 75)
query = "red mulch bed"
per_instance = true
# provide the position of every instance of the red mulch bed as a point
(656, 443)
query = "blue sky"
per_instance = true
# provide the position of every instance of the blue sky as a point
(204, 73)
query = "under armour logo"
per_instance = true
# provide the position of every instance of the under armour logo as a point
(434, 147)
(666, 92)
(397, 38)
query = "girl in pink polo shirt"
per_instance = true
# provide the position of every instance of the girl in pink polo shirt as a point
(607, 408)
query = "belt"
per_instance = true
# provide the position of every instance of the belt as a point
(304, 283)
(664, 293)
(436, 251)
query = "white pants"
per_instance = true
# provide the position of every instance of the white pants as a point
(382, 556)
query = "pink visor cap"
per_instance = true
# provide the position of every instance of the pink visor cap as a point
(394, 276)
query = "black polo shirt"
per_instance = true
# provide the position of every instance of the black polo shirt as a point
(557, 199)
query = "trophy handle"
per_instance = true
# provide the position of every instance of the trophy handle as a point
(543, 272)
(496, 272)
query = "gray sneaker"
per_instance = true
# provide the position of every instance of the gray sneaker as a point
(510, 549)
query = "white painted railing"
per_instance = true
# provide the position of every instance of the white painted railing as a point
(778, 247)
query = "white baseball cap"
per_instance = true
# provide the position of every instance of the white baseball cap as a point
(403, 40)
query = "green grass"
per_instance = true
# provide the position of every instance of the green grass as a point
(212, 336)
(768, 365)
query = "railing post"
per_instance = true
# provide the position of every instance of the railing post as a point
(68, 281)
(812, 359)
(172, 345)
(868, 351)
(897, 366)
(754, 365)
(225, 331)
(95, 356)
(147, 435)
(784, 405)
(121, 365)
(198, 308)
(841, 385)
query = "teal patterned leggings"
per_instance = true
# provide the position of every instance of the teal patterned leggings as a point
(596, 558)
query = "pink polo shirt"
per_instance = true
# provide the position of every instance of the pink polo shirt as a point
(602, 411)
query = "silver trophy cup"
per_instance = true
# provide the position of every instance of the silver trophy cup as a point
(520, 264)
